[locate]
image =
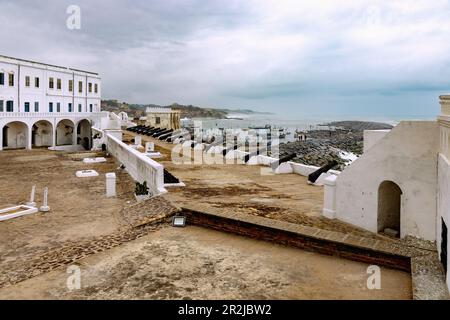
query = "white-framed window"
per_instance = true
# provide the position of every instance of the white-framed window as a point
(26, 107)
(36, 106)
(11, 79)
(58, 107)
(36, 82)
(51, 83)
(27, 81)
(2, 79)
(58, 84)
(9, 106)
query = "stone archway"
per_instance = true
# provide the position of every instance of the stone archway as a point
(64, 132)
(15, 135)
(84, 134)
(42, 134)
(389, 206)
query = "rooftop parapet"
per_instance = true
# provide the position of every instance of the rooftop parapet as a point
(444, 100)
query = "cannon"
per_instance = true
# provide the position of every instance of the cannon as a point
(256, 153)
(168, 136)
(316, 174)
(213, 144)
(157, 131)
(165, 136)
(156, 135)
(140, 129)
(287, 158)
(226, 150)
(151, 131)
(132, 129)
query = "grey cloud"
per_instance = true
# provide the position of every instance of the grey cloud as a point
(256, 53)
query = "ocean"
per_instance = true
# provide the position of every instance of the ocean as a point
(243, 121)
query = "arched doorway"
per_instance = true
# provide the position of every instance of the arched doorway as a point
(15, 135)
(389, 206)
(84, 134)
(42, 134)
(64, 133)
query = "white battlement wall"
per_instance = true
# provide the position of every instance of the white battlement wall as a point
(407, 157)
(140, 167)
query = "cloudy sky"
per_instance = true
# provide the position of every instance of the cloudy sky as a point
(294, 57)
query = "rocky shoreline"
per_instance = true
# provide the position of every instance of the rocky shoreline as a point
(323, 146)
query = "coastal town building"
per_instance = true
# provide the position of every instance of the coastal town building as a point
(166, 118)
(44, 105)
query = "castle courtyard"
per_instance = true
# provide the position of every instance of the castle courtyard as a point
(87, 229)
(197, 263)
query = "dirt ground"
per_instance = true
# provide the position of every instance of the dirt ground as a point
(79, 208)
(197, 263)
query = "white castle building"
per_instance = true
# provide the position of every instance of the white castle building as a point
(400, 183)
(43, 105)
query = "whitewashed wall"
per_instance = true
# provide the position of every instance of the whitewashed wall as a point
(371, 137)
(406, 156)
(140, 167)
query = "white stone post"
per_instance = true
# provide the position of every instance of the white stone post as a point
(32, 203)
(138, 140)
(1, 138)
(329, 199)
(54, 137)
(45, 207)
(110, 185)
(29, 138)
(75, 136)
(149, 147)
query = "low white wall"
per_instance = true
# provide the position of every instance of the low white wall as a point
(261, 160)
(303, 169)
(405, 156)
(236, 154)
(371, 137)
(140, 167)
